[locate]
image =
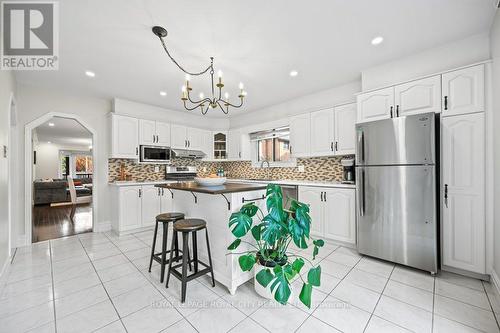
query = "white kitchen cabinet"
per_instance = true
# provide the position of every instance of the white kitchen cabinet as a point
(463, 91)
(165, 201)
(339, 215)
(179, 136)
(183, 137)
(300, 135)
(124, 137)
(162, 134)
(418, 96)
(150, 205)
(375, 105)
(238, 145)
(332, 212)
(345, 129)
(322, 136)
(195, 138)
(154, 133)
(463, 192)
(129, 208)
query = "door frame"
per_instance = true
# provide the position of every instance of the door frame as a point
(12, 123)
(28, 171)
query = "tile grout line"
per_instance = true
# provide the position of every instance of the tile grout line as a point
(53, 287)
(102, 284)
(491, 306)
(379, 298)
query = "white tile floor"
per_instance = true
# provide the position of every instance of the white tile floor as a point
(99, 282)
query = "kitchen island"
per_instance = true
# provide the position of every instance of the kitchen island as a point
(215, 204)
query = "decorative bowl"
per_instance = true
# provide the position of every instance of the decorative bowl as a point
(206, 181)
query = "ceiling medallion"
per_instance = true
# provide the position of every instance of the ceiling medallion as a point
(204, 103)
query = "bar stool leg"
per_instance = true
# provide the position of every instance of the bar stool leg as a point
(164, 251)
(210, 258)
(195, 252)
(153, 248)
(185, 260)
(177, 249)
(174, 241)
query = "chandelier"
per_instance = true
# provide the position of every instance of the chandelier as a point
(204, 103)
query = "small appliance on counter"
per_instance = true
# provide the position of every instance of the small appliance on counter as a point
(348, 174)
(184, 173)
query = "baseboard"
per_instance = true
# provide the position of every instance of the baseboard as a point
(495, 280)
(102, 226)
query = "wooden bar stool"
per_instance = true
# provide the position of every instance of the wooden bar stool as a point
(186, 227)
(160, 257)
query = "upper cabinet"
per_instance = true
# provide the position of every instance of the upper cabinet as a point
(179, 136)
(154, 133)
(463, 91)
(375, 105)
(344, 129)
(300, 135)
(238, 145)
(124, 137)
(321, 132)
(219, 145)
(196, 138)
(418, 96)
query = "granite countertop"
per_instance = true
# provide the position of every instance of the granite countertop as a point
(221, 189)
(318, 183)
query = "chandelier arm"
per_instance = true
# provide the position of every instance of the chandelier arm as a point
(179, 66)
(206, 99)
(234, 106)
(190, 109)
(206, 110)
(225, 111)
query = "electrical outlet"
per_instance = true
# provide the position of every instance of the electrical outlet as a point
(300, 168)
(157, 168)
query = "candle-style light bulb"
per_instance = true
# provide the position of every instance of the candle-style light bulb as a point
(202, 95)
(184, 92)
(188, 77)
(219, 74)
(241, 86)
(226, 95)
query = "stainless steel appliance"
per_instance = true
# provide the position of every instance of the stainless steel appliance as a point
(348, 172)
(396, 190)
(155, 154)
(187, 153)
(290, 192)
(184, 173)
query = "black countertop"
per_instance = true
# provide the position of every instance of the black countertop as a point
(221, 189)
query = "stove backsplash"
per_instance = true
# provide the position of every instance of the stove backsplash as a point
(315, 168)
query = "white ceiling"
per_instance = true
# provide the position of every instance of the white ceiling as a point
(257, 42)
(66, 133)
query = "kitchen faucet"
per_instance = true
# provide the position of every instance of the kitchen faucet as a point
(268, 167)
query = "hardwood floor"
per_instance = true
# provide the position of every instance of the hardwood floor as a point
(55, 222)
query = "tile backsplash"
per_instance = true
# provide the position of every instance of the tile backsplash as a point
(315, 168)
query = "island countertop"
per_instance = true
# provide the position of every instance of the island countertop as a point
(221, 189)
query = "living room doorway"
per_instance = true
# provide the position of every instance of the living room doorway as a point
(62, 178)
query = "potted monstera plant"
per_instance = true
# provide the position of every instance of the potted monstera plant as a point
(275, 267)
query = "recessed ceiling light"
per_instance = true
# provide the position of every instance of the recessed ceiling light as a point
(163, 93)
(51, 124)
(49, 142)
(377, 40)
(294, 73)
(90, 73)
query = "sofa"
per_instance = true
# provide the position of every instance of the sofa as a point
(47, 192)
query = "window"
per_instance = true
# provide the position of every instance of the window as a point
(273, 145)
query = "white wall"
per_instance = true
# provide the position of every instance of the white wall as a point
(495, 55)
(323, 99)
(47, 161)
(7, 85)
(460, 53)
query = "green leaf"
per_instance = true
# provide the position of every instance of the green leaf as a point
(298, 264)
(314, 276)
(274, 203)
(239, 224)
(297, 233)
(264, 277)
(280, 286)
(256, 231)
(303, 219)
(272, 230)
(249, 209)
(290, 273)
(305, 294)
(246, 262)
(234, 244)
(315, 252)
(319, 242)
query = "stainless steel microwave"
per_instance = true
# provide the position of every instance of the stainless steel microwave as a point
(155, 154)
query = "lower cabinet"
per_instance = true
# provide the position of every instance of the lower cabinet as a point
(136, 207)
(332, 212)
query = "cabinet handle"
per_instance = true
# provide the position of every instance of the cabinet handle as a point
(136, 151)
(290, 150)
(159, 191)
(154, 138)
(321, 196)
(185, 143)
(140, 193)
(239, 154)
(446, 195)
(446, 102)
(189, 143)
(324, 196)
(397, 110)
(392, 112)
(331, 146)
(336, 146)
(162, 192)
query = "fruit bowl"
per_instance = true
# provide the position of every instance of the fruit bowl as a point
(210, 181)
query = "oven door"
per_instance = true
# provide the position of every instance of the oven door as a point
(153, 154)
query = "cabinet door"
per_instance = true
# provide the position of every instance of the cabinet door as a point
(208, 144)
(125, 137)
(313, 197)
(195, 137)
(150, 205)
(463, 212)
(375, 105)
(300, 135)
(165, 201)
(322, 133)
(130, 207)
(147, 132)
(463, 91)
(179, 136)
(234, 142)
(344, 133)
(339, 216)
(419, 96)
(163, 134)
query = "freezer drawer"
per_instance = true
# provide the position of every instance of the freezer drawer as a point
(397, 214)
(402, 140)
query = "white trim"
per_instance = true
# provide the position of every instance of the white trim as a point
(489, 170)
(10, 148)
(103, 226)
(495, 280)
(28, 165)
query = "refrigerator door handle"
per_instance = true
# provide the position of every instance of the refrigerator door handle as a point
(361, 193)
(361, 147)
(446, 195)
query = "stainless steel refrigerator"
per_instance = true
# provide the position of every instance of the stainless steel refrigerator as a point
(396, 190)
